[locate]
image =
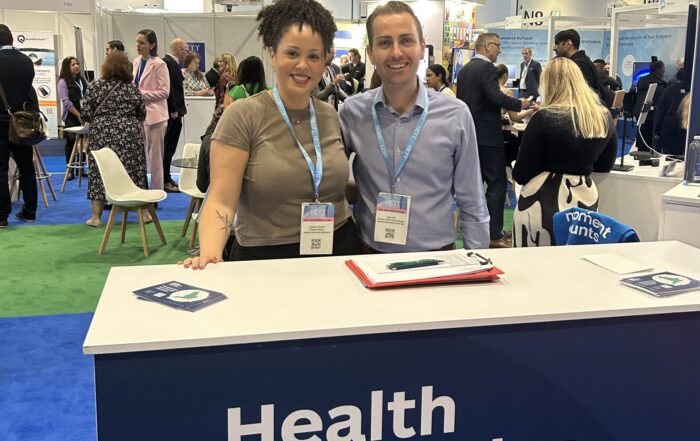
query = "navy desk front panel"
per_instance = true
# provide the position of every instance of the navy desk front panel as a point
(627, 379)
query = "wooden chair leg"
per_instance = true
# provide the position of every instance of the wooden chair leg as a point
(195, 228)
(125, 215)
(40, 178)
(44, 173)
(188, 216)
(156, 223)
(81, 152)
(142, 229)
(108, 230)
(68, 168)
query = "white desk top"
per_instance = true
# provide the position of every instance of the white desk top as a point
(644, 172)
(78, 130)
(320, 297)
(684, 194)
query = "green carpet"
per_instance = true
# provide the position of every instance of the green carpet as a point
(56, 269)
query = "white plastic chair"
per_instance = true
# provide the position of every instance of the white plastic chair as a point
(188, 185)
(125, 196)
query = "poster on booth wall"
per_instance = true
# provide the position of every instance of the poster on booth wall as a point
(198, 47)
(39, 47)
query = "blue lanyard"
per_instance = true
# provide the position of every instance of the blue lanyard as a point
(317, 171)
(394, 175)
(80, 86)
(139, 72)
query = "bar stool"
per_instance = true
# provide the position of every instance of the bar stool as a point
(41, 176)
(79, 153)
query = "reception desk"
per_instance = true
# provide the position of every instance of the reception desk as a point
(556, 350)
(634, 197)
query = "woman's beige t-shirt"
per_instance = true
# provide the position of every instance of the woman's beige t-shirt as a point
(277, 179)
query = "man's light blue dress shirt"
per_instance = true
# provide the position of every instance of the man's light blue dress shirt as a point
(444, 163)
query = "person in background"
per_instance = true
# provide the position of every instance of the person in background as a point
(605, 78)
(16, 78)
(330, 88)
(228, 65)
(529, 79)
(566, 44)
(477, 86)
(357, 69)
(195, 82)
(176, 108)
(657, 70)
(213, 74)
(250, 80)
(114, 45)
(668, 123)
(258, 171)
(678, 77)
(152, 79)
(568, 139)
(510, 141)
(71, 88)
(344, 61)
(431, 134)
(115, 109)
(436, 78)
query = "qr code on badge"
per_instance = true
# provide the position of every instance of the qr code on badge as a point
(315, 244)
(389, 233)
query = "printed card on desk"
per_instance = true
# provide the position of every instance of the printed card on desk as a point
(663, 284)
(617, 263)
(180, 295)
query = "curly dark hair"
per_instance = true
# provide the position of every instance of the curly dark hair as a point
(276, 18)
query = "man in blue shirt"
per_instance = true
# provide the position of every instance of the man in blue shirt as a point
(429, 156)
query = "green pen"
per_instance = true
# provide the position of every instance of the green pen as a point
(413, 264)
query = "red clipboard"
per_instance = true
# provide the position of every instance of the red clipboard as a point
(482, 276)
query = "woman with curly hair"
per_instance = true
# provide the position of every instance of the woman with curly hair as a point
(278, 154)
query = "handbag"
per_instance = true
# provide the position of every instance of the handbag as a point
(26, 127)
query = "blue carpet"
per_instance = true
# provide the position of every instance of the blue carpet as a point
(46, 383)
(73, 207)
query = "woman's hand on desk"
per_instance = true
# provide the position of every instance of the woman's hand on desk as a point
(199, 262)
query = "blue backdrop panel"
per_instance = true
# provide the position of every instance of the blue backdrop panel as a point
(640, 44)
(608, 379)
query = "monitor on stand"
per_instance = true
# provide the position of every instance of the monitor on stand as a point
(617, 110)
(646, 107)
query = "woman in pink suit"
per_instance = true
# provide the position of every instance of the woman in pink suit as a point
(152, 79)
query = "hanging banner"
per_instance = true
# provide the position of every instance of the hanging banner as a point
(39, 47)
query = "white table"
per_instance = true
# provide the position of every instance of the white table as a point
(634, 197)
(680, 214)
(551, 342)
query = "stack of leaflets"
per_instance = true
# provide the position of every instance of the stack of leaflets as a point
(459, 266)
(180, 295)
(663, 284)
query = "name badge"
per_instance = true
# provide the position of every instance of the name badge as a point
(317, 227)
(391, 220)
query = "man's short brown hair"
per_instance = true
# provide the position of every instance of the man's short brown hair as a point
(392, 8)
(117, 66)
(485, 38)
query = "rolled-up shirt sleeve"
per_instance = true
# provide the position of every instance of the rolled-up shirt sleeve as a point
(468, 188)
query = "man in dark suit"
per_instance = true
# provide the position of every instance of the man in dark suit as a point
(176, 107)
(477, 85)
(357, 69)
(529, 79)
(213, 74)
(16, 76)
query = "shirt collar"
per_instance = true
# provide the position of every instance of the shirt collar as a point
(7, 48)
(420, 97)
(482, 57)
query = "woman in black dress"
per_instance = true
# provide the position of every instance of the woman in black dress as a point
(571, 137)
(115, 109)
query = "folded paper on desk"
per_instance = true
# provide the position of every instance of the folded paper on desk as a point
(663, 284)
(180, 295)
(616, 263)
(383, 271)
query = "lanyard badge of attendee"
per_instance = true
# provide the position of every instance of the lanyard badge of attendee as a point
(317, 218)
(393, 210)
